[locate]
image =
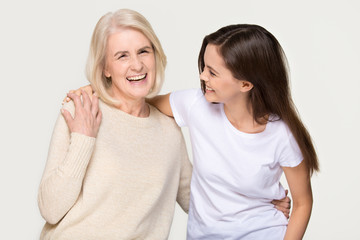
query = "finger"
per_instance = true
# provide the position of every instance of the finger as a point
(77, 92)
(282, 208)
(286, 192)
(65, 100)
(279, 208)
(67, 116)
(283, 204)
(76, 99)
(86, 100)
(287, 202)
(88, 89)
(286, 212)
(94, 105)
(98, 118)
(285, 199)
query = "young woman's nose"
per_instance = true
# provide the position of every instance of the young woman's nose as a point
(203, 76)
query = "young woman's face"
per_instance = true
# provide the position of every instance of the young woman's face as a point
(221, 86)
(130, 62)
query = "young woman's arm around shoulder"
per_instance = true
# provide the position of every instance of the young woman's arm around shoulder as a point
(162, 102)
(298, 179)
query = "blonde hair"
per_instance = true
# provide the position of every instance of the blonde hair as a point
(107, 25)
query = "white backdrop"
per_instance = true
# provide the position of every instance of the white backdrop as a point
(43, 48)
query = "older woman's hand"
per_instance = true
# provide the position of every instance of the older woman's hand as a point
(87, 117)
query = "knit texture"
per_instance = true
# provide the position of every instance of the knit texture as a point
(121, 185)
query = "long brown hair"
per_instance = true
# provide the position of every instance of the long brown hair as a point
(253, 54)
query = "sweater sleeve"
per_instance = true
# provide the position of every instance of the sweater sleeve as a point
(183, 195)
(68, 158)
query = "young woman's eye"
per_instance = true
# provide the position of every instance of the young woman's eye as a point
(212, 74)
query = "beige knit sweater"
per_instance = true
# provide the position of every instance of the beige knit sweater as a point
(121, 185)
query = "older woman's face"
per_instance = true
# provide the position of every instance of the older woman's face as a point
(130, 62)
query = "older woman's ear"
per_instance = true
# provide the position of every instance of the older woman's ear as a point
(106, 73)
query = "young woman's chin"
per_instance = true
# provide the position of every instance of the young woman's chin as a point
(210, 96)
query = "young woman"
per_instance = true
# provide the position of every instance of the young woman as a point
(245, 132)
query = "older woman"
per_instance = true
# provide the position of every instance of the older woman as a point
(119, 179)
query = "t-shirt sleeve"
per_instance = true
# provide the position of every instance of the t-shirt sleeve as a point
(291, 155)
(181, 103)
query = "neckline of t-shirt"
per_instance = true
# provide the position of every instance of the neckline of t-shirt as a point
(240, 133)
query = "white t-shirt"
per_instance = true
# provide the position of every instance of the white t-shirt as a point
(235, 174)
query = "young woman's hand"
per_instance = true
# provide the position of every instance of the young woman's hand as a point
(87, 117)
(283, 205)
(88, 89)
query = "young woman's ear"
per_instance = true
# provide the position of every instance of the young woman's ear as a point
(246, 86)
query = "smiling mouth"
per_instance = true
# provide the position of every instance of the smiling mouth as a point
(208, 88)
(137, 78)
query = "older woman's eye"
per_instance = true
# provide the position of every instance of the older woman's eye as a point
(121, 56)
(144, 51)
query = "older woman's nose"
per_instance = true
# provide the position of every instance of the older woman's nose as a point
(136, 64)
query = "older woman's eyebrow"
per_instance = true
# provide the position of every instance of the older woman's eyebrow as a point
(120, 53)
(140, 49)
(145, 48)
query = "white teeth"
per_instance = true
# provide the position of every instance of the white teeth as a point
(136, 78)
(208, 88)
